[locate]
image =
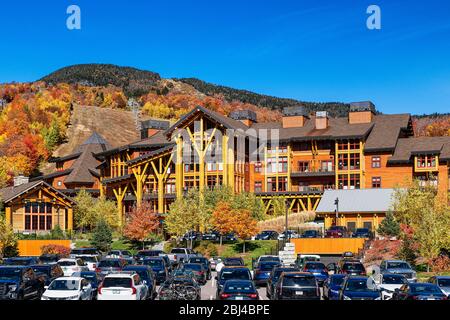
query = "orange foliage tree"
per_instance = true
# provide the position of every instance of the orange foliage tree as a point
(141, 222)
(225, 219)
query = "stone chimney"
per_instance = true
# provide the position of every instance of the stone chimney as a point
(294, 117)
(20, 180)
(321, 120)
(247, 117)
(361, 112)
(151, 127)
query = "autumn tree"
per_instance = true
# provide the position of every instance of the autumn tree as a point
(89, 211)
(8, 240)
(141, 222)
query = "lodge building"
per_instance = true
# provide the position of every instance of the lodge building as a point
(313, 154)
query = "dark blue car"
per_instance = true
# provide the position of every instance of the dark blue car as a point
(21, 261)
(318, 269)
(262, 272)
(158, 266)
(332, 285)
(231, 273)
(359, 288)
(92, 277)
(146, 273)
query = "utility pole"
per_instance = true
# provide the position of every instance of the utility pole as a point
(336, 203)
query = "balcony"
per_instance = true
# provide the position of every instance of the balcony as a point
(308, 170)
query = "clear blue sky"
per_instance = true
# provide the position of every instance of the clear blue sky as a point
(313, 50)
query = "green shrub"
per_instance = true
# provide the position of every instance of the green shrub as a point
(102, 236)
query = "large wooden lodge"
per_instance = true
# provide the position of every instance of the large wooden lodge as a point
(313, 155)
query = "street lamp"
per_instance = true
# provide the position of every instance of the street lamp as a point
(336, 203)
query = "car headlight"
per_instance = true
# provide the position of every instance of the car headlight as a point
(347, 298)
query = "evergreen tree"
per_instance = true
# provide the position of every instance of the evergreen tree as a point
(102, 236)
(389, 227)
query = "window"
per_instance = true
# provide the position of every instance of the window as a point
(367, 225)
(282, 164)
(351, 226)
(326, 166)
(354, 161)
(211, 182)
(343, 161)
(170, 186)
(376, 182)
(303, 166)
(271, 185)
(354, 181)
(354, 144)
(258, 186)
(343, 181)
(376, 162)
(282, 183)
(343, 145)
(59, 183)
(38, 216)
(258, 167)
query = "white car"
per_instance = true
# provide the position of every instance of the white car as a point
(68, 288)
(71, 265)
(91, 261)
(388, 282)
(122, 286)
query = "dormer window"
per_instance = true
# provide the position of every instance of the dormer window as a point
(426, 162)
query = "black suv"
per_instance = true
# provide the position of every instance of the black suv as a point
(267, 235)
(297, 286)
(20, 283)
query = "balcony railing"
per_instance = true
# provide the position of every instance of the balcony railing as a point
(312, 188)
(309, 169)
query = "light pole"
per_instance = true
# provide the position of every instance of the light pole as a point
(336, 203)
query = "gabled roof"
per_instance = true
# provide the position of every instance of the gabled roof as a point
(95, 138)
(10, 193)
(53, 175)
(356, 200)
(408, 147)
(386, 132)
(151, 154)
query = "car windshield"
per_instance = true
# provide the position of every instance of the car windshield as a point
(192, 266)
(310, 232)
(178, 251)
(398, 265)
(425, 288)
(88, 258)
(393, 279)
(67, 263)
(278, 272)
(233, 262)
(315, 265)
(18, 262)
(443, 282)
(360, 285)
(239, 274)
(353, 267)
(42, 269)
(148, 253)
(64, 285)
(10, 274)
(84, 251)
(88, 276)
(117, 282)
(269, 258)
(109, 264)
(235, 286)
(267, 266)
(337, 281)
(154, 262)
(142, 273)
(299, 280)
(198, 260)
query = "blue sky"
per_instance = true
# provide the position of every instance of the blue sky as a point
(313, 50)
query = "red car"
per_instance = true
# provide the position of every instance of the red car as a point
(336, 232)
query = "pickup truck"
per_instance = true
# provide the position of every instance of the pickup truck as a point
(178, 255)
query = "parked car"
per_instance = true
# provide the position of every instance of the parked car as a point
(352, 267)
(68, 288)
(106, 266)
(443, 282)
(337, 232)
(21, 261)
(238, 290)
(296, 286)
(229, 262)
(211, 236)
(124, 254)
(84, 252)
(388, 282)
(291, 235)
(90, 261)
(229, 237)
(266, 258)
(198, 269)
(274, 276)
(419, 291)
(71, 265)
(49, 258)
(147, 276)
(205, 262)
(47, 272)
(303, 258)
(178, 255)
(362, 233)
(214, 261)
(141, 255)
(93, 278)
(311, 234)
(399, 267)
(122, 286)
(262, 272)
(231, 273)
(332, 285)
(267, 235)
(159, 268)
(192, 235)
(318, 269)
(19, 283)
(359, 288)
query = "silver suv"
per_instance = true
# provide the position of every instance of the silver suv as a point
(398, 267)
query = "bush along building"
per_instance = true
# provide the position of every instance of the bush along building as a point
(302, 159)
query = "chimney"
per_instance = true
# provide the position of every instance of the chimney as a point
(294, 117)
(151, 127)
(321, 120)
(361, 112)
(247, 117)
(20, 180)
